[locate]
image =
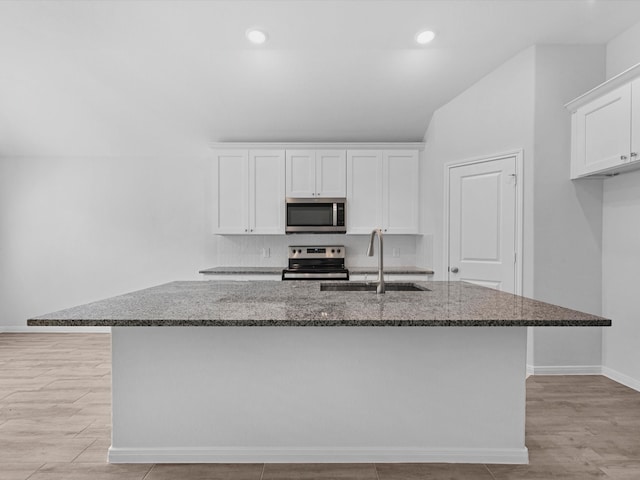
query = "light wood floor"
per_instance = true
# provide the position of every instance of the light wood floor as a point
(55, 415)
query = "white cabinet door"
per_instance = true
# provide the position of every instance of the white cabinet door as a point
(364, 192)
(312, 173)
(266, 192)
(331, 173)
(400, 192)
(230, 187)
(301, 173)
(383, 191)
(248, 192)
(635, 121)
(602, 133)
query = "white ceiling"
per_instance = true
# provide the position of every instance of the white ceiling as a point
(140, 77)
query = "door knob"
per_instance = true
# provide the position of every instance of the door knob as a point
(454, 270)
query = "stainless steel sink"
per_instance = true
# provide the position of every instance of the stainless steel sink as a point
(371, 287)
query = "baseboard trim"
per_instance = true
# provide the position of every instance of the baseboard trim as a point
(26, 329)
(318, 455)
(566, 370)
(625, 380)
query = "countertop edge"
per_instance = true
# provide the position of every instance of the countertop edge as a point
(35, 322)
(407, 270)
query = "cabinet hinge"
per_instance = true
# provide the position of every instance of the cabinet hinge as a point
(515, 257)
(515, 178)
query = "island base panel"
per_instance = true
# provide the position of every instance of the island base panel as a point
(314, 394)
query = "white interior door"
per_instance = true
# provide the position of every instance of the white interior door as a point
(482, 223)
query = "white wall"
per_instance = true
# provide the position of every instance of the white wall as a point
(520, 106)
(567, 215)
(621, 264)
(623, 51)
(493, 116)
(74, 230)
(620, 243)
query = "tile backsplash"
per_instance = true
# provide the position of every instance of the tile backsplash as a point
(271, 250)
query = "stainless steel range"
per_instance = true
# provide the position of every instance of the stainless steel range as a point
(316, 263)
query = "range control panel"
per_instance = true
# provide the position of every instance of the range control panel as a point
(325, 251)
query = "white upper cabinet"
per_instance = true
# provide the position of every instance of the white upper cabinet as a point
(603, 132)
(383, 191)
(266, 192)
(301, 173)
(364, 190)
(248, 191)
(605, 127)
(230, 192)
(400, 191)
(635, 122)
(251, 183)
(316, 173)
(331, 173)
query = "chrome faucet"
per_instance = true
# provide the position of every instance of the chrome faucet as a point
(378, 232)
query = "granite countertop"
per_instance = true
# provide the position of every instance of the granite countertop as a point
(391, 270)
(242, 271)
(278, 270)
(268, 303)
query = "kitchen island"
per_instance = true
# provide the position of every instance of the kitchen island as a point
(363, 382)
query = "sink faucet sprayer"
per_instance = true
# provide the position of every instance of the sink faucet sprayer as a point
(378, 232)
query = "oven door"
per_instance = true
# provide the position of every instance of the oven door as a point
(342, 274)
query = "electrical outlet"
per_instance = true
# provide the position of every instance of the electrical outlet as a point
(396, 252)
(266, 252)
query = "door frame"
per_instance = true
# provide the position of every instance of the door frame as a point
(519, 208)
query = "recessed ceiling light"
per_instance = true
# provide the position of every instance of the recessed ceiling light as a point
(425, 37)
(256, 36)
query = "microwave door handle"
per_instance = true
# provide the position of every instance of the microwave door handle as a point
(335, 214)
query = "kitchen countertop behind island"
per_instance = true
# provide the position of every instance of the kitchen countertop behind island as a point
(302, 304)
(277, 271)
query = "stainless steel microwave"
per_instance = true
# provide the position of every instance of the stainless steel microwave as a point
(315, 215)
